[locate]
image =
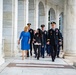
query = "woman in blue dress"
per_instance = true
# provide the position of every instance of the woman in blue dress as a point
(25, 41)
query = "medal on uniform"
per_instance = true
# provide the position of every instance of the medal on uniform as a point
(56, 30)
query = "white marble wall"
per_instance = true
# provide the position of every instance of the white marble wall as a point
(36, 14)
(31, 13)
(46, 14)
(14, 49)
(20, 16)
(10, 26)
(70, 27)
(7, 26)
(1, 24)
(41, 17)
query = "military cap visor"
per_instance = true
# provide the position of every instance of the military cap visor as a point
(42, 25)
(28, 23)
(53, 22)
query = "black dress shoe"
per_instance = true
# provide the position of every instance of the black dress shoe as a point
(31, 54)
(53, 59)
(37, 58)
(58, 57)
(42, 56)
(27, 55)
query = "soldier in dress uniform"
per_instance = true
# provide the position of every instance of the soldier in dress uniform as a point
(31, 41)
(44, 40)
(54, 37)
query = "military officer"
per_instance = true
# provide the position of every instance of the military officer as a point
(54, 36)
(31, 35)
(44, 39)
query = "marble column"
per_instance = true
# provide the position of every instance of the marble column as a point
(14, 50)
(36, 13)
(26, 9)
(57, 16)
(46, 14)
(64, 27)
(70, 27)
(1, 25)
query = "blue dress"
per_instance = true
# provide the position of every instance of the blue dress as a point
(25, 36)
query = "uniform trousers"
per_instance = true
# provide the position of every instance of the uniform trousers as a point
(58, 51)
(30, 50)
(53, 51)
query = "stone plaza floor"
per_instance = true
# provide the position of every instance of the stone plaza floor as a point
(32, 66)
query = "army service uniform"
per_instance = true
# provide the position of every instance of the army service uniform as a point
(54, 36)
(31, 31)
(44, 39)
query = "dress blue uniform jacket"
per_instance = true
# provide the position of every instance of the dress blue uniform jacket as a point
(31, 35)
(44, 37)
(54, 36)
